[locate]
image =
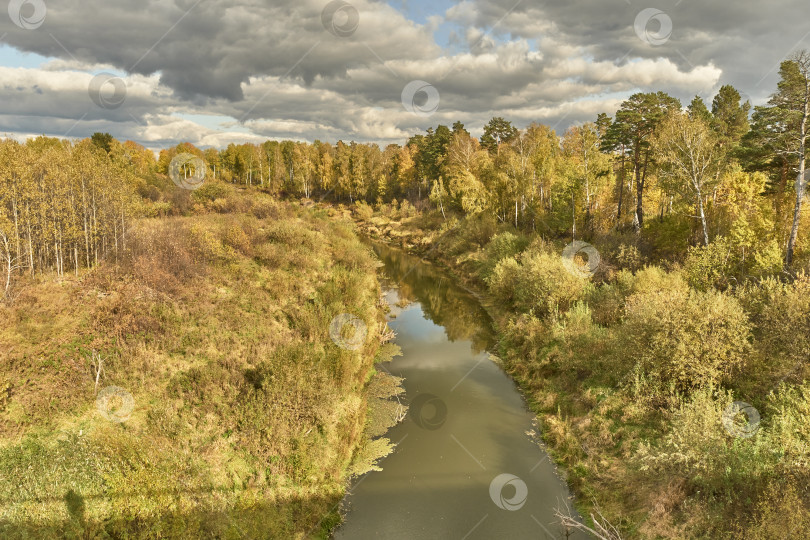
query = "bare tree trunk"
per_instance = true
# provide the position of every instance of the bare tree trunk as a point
(800, 180)
(702, 218)
(16, 226)
(30, 240)
(573, 218)
(7, 261)
(621, 189)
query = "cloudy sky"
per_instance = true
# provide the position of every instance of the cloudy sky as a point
(213, 72)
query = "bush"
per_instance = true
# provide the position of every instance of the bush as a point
(210, 191)
(545, 285)
(539, 282)
(607, 300)
(502, 280)
(781, 316)
(207, 244)
(502, 245)
(407, 210)
(628, 257)
(238, 239)
(470, 234)
(768, 260)
(363, 210)
(709, 266)
(265, 207)
(699, 449)
(655, 279)
(687, 338)
(781, 513)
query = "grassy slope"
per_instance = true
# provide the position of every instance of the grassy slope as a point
(246, 415)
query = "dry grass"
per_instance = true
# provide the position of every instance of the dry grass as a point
(246, 416)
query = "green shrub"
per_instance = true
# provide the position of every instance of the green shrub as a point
(687, 338)
(773, 455)
(545, 285)
(502, 280)
(654, 278)
(781, 316)
(768, 260)
(709, 266)
(363, 210)
(469, 234)
(607, 299)
(628, 257)
(539, 282)
(780, 513)
(506, 244)
(699, 449)
(238, 239)
(789, 413)
(210, 191)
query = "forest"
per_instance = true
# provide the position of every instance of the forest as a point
(697, 300)
(682, 176)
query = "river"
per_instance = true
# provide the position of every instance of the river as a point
(467, 464)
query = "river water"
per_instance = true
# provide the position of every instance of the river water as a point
(466, 464)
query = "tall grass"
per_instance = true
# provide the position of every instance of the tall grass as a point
(247, 415)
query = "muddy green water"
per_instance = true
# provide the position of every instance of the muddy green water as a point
(466, 465)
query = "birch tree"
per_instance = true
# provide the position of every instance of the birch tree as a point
(689, 155)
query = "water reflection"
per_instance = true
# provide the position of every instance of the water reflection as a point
(443, 301)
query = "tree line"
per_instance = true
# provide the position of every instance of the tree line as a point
(704, 172)
(691, 167)
(66, 205)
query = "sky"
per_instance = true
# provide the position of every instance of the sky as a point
(212, 72)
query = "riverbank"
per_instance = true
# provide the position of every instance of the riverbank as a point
(636, 413)
(214, 382)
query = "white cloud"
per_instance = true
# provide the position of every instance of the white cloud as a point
(275, 66)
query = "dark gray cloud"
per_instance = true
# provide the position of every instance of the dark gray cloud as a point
(211, 47)
(279, 72)
(747, 39)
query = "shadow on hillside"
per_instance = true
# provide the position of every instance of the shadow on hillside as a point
(207, 517)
